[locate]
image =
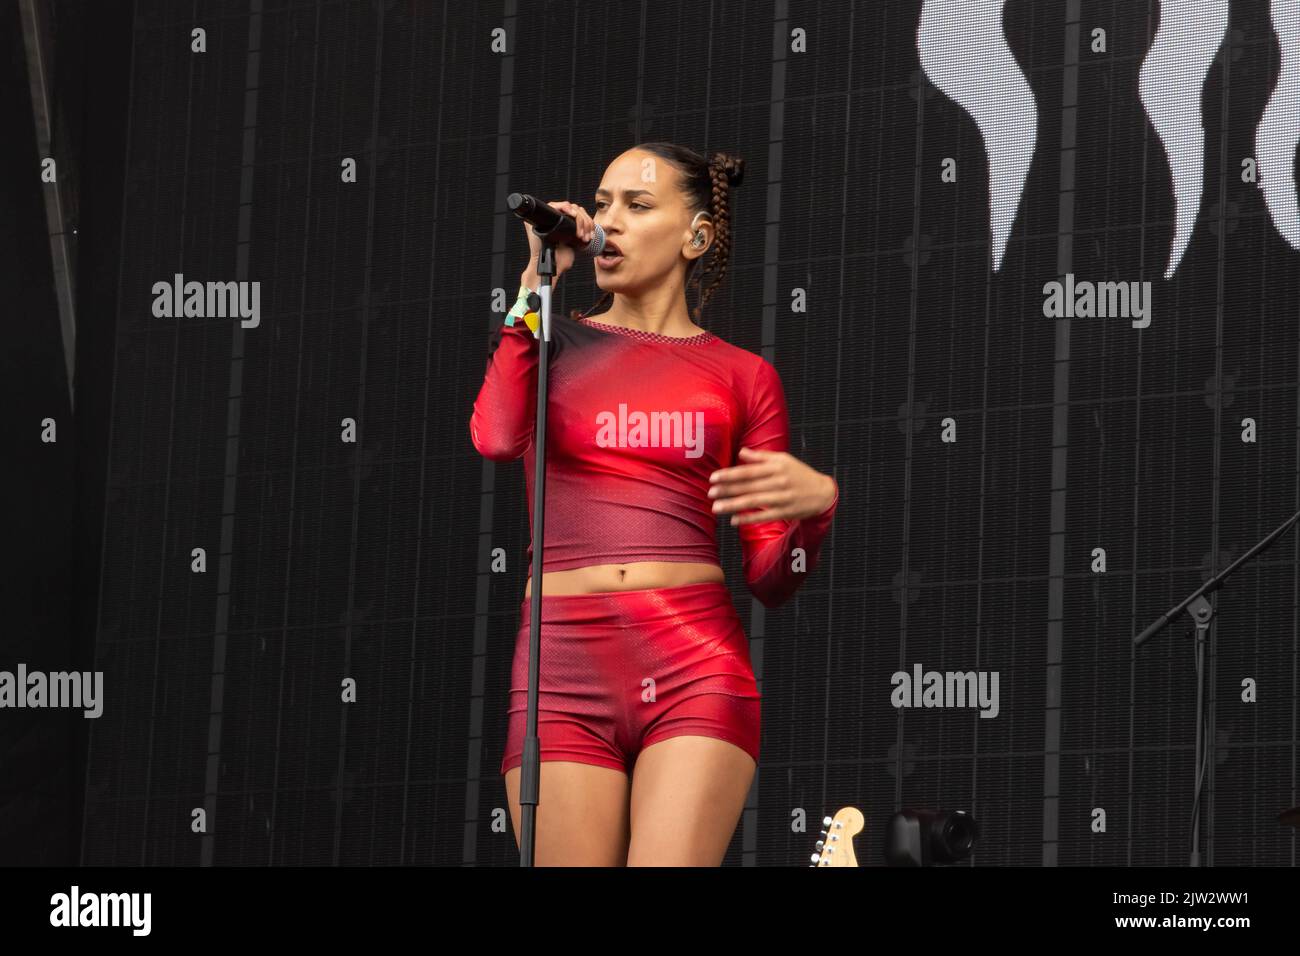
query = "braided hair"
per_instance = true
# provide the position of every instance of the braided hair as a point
(706, 186)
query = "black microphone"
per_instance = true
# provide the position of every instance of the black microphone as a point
(551, 225)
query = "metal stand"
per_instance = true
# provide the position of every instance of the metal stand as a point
(1202, 614)
(531, 768)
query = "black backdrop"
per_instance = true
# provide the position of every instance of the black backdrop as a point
(329, 560)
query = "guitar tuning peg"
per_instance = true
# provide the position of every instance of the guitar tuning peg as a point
(822, 832)
(815, 858)
(827, 821)
(819, 844)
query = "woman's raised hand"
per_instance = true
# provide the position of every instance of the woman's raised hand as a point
(776, 483)
(564, 254)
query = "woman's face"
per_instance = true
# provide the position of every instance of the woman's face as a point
(641, 209)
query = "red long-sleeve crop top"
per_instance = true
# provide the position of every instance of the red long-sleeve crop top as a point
(636, 423)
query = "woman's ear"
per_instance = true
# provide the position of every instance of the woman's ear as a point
(699, 238)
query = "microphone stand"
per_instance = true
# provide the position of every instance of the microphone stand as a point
(530, 778)
(1202, 612)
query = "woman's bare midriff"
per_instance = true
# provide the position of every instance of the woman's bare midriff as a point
(635, 576)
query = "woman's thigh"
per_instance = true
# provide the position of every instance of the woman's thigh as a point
(687, 796)
(582, 814)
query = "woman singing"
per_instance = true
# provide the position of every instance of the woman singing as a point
(648, 709)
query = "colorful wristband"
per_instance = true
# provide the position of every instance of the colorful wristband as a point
(521, 305)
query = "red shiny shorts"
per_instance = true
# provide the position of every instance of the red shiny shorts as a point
(623, 669)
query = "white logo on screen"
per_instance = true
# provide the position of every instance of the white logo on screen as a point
(964, 52)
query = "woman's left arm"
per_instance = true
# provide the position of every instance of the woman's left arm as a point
(779, 504)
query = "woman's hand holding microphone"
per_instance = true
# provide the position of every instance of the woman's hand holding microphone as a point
(564, 253)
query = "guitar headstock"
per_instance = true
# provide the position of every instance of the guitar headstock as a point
(835, 848)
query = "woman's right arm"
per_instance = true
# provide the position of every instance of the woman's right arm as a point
(501, 426)
(506, 408)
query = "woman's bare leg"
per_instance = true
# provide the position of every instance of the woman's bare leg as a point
(687, 796)
(582, 814)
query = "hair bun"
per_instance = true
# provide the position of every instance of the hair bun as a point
(732, 165)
